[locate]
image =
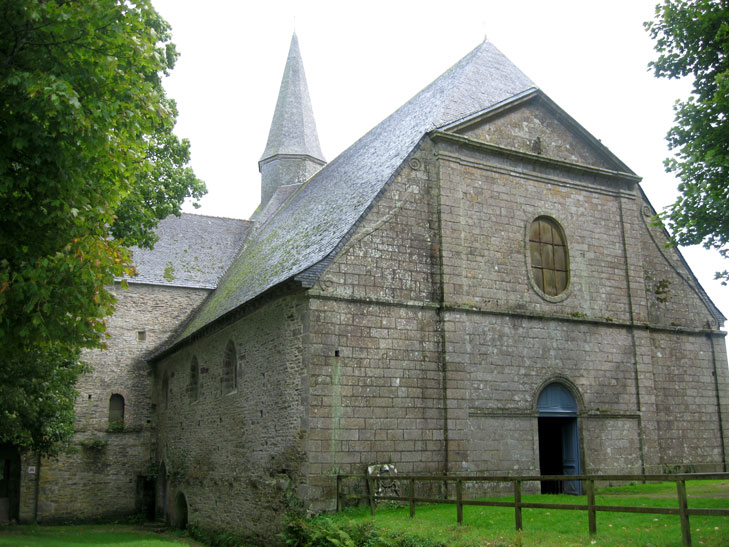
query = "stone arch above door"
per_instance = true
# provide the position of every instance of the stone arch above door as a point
(556, 391)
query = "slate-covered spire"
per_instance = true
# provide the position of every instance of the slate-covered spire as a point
(292, 152)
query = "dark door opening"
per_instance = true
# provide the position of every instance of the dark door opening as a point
(145, 497)
(180, 520)
(559, 454)
(550, 453)
(9, 484)
(559, 447)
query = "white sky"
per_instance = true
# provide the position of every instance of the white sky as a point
(363, 60)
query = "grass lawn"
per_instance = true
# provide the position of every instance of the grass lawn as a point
(68, 536)
(495, 525)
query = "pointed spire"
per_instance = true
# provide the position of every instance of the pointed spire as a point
(292, 152)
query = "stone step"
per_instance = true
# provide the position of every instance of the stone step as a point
(155, 526)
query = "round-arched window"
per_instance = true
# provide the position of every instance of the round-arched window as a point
(230, 369)
(548, 256)
(116, 410)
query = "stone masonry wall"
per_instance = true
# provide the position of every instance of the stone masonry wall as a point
(375, 392)
(504, 342)
(488, 203)
(389, 258)
(235, 453)
(99, 482)
(673, 293)
(375, 375)
(512, 342)
(497, 366)
(536, 129)
(689, 388)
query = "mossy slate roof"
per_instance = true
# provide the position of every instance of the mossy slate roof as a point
(321, 213)
(192, 251)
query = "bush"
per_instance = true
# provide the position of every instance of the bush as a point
(324, 532)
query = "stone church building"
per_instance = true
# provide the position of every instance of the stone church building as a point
(475, 286)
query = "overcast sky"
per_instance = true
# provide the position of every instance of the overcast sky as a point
(363, 60)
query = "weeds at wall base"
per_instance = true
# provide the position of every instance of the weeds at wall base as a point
(322, 531)
(216, 538)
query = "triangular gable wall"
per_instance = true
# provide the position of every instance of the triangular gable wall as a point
(534, 124)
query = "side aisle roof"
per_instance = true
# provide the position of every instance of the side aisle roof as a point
(192, 251)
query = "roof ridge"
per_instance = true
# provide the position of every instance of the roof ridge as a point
(213, 216)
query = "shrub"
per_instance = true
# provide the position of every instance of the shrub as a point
(323, 532)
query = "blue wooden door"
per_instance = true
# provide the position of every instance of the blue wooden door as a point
(571, 455)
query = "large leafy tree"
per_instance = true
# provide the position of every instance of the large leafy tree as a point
(88, 166)
(692, 39)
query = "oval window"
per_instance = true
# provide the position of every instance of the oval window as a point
(548, 254)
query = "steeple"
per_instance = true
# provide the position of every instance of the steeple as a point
(292, 152)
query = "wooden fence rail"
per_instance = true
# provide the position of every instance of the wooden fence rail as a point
(683, 510)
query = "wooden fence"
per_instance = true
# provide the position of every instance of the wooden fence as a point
(683, 510)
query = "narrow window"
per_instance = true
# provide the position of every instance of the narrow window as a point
(116, 411)
(549, 259)
(164, 394)
(194, 384)
(230, 369)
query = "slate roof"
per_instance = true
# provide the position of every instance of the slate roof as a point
(323, 210)
(293, 129)
(192, 251)
(278, 200)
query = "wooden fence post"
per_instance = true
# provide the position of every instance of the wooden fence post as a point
(412, 498)
(683, 511)
(517, 505)
(591, 507)
(459, 500)
(339, 500)
(371, 489)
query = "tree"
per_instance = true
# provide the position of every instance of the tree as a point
(692, 38)
(88, 166)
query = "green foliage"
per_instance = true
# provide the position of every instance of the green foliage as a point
(320, 532)
(36, 397)
(692, 39)
(324, 531)
(214, 538)
(117, 426)
(94, 445)
(88, 166)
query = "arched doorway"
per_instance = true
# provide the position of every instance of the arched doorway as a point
(9, 484)
(559, 447)
(180, 520)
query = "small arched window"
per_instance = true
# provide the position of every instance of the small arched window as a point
(164, 393)
(194, 384)
(116, 410)
(229, 379)
(549, 258)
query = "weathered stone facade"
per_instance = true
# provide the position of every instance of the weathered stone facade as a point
(413, 332)
(104, 476)
(236, 452)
